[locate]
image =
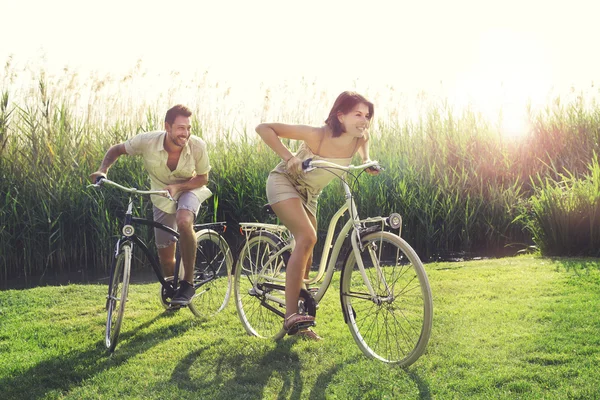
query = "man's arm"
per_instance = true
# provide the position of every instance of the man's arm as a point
(194, 183)
(110, 157)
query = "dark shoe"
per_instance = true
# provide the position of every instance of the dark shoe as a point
(183, 295)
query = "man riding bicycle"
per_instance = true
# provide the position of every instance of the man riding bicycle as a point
(178, 162)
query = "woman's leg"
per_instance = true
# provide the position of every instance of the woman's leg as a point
(292, 214)
(313, 221)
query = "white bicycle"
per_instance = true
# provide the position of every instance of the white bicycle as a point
(385, 294)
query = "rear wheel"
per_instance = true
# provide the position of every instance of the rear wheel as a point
(256, 303)
(395, 325)
(117, 296)
(212, 274)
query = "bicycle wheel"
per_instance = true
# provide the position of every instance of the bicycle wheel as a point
(260, 314)
(212, 274)
(117, 296)
(394, 326)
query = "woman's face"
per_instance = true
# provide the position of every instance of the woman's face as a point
(356, 122)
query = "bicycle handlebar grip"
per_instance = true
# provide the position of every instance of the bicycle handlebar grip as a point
(98, 179)
(306, 164)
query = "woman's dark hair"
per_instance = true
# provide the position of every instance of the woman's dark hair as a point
(344, 104)
(175, 111)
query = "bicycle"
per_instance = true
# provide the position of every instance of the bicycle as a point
(384, 292)
(212, 270)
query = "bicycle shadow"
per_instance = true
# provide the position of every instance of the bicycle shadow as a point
(251, 375)
(254, 376)
(64, 373)
(319, 390)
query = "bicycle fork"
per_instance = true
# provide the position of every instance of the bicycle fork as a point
(371, 248)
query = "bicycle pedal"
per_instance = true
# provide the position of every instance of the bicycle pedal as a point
(174, 307)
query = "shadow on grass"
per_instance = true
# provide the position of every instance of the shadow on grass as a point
(251, 375)
(422, 385)
(577, 265)
(63, 373)
(240, 376)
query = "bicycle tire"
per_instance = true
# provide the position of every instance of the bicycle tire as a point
(253, 308)
(396, 326)
(117, 296)
(212, 274)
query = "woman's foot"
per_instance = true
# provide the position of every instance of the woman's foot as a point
(309, 334)
(296, 322)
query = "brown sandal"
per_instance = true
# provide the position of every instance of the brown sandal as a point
(295, 322)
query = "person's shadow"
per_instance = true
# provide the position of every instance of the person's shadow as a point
(249, 373)
(252, 375)
(63, 373)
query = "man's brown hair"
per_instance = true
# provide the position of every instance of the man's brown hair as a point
(175, 111)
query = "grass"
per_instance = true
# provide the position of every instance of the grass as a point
(523, 327)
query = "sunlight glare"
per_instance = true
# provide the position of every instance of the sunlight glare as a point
(509, 72)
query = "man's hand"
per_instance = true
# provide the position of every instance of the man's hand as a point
(94, 177)
(173, 189)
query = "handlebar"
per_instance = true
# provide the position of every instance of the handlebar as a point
(309, 164)
(102, 181)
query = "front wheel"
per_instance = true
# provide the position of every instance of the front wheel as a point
(117, 296)
(394, 324)
(212, 274)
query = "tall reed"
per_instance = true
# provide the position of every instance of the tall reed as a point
(459, 184)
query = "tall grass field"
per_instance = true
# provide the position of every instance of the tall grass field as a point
(462, 188)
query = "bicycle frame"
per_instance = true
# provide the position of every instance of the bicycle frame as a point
(129, 235)
(330, 254)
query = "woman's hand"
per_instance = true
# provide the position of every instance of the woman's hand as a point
(373, 170)
(294, 166)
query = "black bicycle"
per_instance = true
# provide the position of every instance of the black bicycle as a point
(212, 271)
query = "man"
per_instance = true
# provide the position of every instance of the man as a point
(177, 162)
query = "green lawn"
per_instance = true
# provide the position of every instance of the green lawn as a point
(524, 327)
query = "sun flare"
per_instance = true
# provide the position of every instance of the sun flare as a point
(509, 73)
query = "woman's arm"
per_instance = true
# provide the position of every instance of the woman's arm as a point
(272, 132)
(363, 148)
(363, 152)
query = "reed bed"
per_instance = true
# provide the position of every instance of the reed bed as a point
(462, 188)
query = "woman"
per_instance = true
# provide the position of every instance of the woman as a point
(293, 194)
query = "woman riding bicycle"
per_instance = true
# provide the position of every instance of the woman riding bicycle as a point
(293, 195)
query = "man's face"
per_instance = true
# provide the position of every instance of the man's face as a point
(179, 132)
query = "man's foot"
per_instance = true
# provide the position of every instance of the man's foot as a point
(183, 295)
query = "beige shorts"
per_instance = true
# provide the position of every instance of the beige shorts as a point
(280, 188)
(187, 201)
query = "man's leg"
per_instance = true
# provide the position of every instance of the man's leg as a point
(165, 242)
(166, 256)
(187, 242)
(187, 209)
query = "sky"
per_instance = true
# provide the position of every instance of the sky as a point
(489, 52)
